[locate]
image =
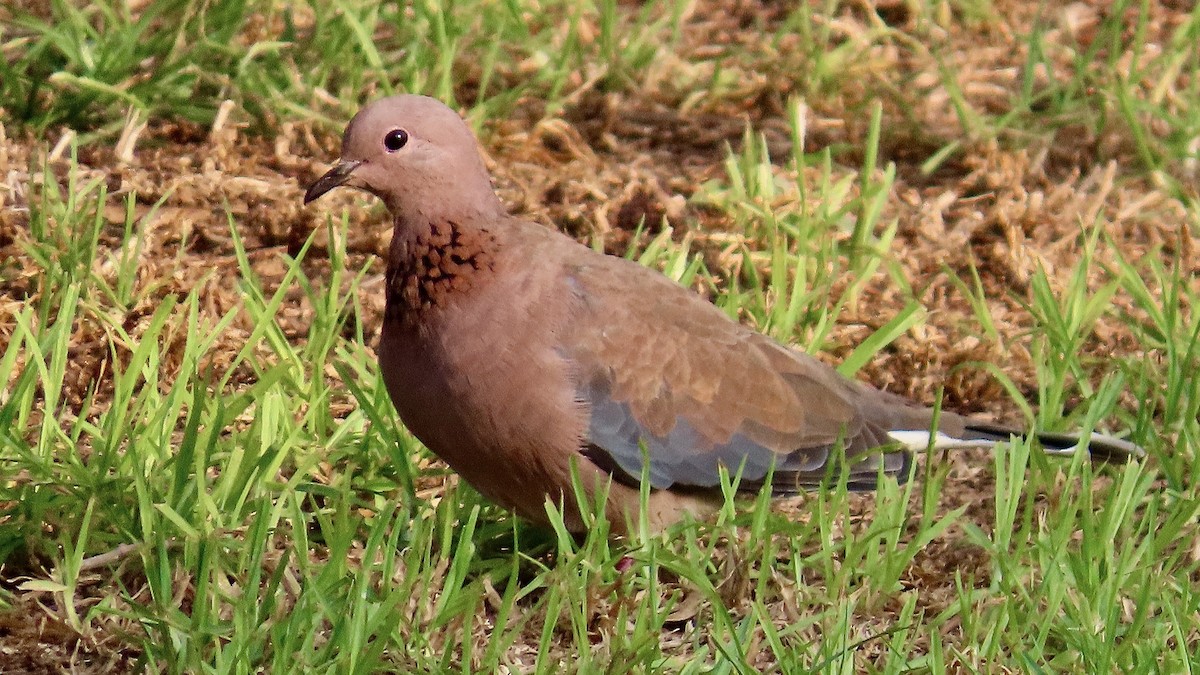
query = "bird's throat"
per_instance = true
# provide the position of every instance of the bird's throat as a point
(431, 267)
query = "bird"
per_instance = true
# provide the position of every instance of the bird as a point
(528, 361)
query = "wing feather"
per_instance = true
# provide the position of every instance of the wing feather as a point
(659, 367)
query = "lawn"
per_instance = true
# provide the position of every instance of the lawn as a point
(988, 205)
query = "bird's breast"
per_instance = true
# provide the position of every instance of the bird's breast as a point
(482, 385)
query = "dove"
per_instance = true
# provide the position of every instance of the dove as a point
(526, 360)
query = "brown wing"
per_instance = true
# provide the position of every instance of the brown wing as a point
(660, 367)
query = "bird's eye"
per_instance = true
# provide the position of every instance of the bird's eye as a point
(395, 139)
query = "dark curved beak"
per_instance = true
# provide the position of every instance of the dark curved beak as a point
(338, 175)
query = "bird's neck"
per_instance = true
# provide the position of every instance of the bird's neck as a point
(433, 263)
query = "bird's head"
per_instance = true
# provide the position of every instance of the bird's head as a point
(415, 154)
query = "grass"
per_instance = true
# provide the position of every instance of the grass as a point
(987, 204)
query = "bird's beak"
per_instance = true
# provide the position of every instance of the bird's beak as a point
(338, 175)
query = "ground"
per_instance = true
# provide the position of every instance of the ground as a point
(1023, 170)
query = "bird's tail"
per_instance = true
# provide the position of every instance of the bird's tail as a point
(864, 468)
(978, 434)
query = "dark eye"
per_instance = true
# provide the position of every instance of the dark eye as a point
(395, 139)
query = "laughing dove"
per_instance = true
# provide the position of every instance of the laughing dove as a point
(518, 355)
